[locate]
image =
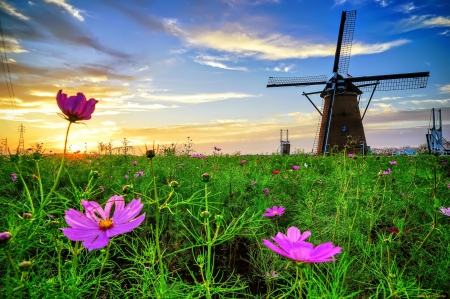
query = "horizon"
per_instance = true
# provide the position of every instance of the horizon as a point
(165, 70)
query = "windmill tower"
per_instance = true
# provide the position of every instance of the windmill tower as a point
(340, 115)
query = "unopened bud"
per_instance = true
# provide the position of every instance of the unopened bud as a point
(94, 174)
(23, 266)
(150, 153)
(205, 214)
(127, 189)
(218, 218)
(27, 215)
(4, 238)
(205, 177)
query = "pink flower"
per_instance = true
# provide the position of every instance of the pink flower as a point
(294, 247)
(134, 163)
(13, 177)
(350, 155)
(75, 108)
(274, 211)
(242, 162)
(392, 162)
(445, 211)
(217, 149)
(387, 172)
(271, 274)
(443, 162)
(97, 227)
(296, 167)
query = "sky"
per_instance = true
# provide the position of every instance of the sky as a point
(166, 71)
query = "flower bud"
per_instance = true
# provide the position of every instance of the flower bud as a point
(205, 177)
(94, 174)
(205, 214)
(200, 259)
(218, 218)
(27, 215)
(150, 153)
(4, 238)
(127, 189)
(23, 266)
(173, 183)
(37, 156)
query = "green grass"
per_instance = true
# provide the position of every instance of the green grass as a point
(337, 198)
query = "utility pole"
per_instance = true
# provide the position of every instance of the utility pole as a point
(21, 147)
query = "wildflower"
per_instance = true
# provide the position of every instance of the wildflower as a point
(275, 172)
(388, 171)
(134, 163)
(198, 156)
(286, 176)
(392, 162)
(265, 191)
(443, 162)
(101, 188)
(274, 211)
(205, 214)
(243, 162)
(271, 274)
(150, 153)
(445, 211)
(448, 186)
(127, 177)
(350, 155)
(306, 165)
(217, 149)
(296, 167)
(294, 247)
(319, 182)
(75, 108)
(254, 183)
(13, 177)
(97, 227)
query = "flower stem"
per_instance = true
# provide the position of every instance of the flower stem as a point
(55, 184)
(101, 269)
(26, 188)
(209, 246)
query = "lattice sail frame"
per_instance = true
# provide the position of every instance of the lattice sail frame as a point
(346, 42)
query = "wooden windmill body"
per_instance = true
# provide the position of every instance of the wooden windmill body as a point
(340, 116)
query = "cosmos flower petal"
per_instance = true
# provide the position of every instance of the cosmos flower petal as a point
(79, 234)
(92, 208)
(126, 227)
(100, 242)
(75, 108)
(76, 219)
(275, 248)
(116, 201)
(129, 212)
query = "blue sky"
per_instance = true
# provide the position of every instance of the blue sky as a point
(166, 70)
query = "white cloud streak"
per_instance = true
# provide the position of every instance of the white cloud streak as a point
(76, 13)
(11, 10)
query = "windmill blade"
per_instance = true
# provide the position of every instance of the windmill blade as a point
(391, 82)
(296, 81)
(344, 43)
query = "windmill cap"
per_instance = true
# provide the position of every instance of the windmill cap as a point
(348, 86)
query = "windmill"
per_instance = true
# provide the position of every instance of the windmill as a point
(340, 115)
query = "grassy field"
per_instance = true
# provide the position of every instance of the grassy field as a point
(202, 236)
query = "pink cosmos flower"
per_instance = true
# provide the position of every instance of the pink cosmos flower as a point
(350, 155)
(445, 211)
(392, 162)
(75, 108)
(217, 149)
(443, 162)
(294, 247)
(271, 274)
(13, 177)
(274, 211)
(134, 163)
(97, 227)
(387, 172)
(296, 167)
(243, 162)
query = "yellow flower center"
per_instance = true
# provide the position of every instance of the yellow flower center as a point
(275, 212)
(106, 224)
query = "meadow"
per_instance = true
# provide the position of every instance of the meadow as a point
(203, 232)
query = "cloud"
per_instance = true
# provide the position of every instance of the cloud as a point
(197, 98)
(217, 61)
(383, 3)
(424, 21)
(11, 10)
(444, 89)
(446, 33)
(12, 45)
(76, 13)
(282, 67)
(406, 8)
(272, 46)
